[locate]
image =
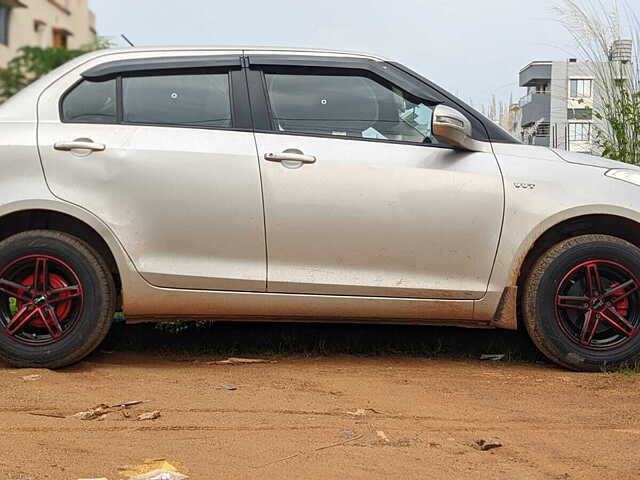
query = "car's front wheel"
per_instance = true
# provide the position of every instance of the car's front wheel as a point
(57, 299)
(581, 302)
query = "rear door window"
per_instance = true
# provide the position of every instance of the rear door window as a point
(198, 100)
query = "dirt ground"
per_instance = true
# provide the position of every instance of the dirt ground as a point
(318, 416)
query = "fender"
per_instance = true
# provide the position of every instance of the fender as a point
(499, 304)
(128, 273)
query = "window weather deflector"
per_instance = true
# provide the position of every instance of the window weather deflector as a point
(379, 68)
(109, 69)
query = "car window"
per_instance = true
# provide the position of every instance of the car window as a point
(193, 100)
(91, 102)
(346, 105)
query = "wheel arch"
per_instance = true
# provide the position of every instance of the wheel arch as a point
(614, 224)
(503, 308)
(74, 221)
(594, 223)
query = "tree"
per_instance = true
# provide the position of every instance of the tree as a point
(31, 63)
(602, 31)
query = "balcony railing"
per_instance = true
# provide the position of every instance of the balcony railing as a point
(527, 99)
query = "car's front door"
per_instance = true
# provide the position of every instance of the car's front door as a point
(360, 199)
(161, 156)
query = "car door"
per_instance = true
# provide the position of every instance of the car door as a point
(163, 153)
(359, 197)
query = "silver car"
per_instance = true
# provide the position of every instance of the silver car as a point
(247, 183)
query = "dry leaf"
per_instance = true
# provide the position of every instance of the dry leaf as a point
(149, 415)
(238, 361)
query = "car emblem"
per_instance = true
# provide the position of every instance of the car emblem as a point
(525, 186)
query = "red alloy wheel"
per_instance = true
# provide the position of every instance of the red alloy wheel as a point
(598, 305)
(41, 300)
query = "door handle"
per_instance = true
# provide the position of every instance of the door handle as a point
(80, 144)
(289, 157)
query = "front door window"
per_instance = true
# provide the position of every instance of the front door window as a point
(351, 105)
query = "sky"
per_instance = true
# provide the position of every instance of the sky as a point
(473, 48)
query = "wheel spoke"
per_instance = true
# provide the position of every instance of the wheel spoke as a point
(13, 289)
(576, 303)
(611, 315)
(594, 285)
(20, 319)
(62, 294)
(50, 320)
(591, 322)
(620, 289)
(40, 275)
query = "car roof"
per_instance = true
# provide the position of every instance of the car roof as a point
(245, 49)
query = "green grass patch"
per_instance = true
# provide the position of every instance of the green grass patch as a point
(627, 369)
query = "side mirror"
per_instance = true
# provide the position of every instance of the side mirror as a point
(453, 128)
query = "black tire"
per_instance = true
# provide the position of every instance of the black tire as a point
(571, 293)
(76, 320)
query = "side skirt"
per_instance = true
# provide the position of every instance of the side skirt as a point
(300, 319)
(144, 302)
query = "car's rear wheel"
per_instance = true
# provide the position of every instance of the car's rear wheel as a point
(57, 299)
(581, 303)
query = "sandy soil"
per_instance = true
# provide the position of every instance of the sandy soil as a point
(290, 419)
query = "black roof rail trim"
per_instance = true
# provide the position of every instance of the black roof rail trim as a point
(377, 67)
(116, 67)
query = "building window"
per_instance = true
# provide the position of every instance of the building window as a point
(579, 132)
(581, 88)
(39, 25)
(60, 37)
(579, 114)
(4, 25)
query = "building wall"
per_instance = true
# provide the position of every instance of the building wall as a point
(561, 102)
(551, 108)
(35, 23)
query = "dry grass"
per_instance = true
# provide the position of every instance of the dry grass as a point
(238, 339)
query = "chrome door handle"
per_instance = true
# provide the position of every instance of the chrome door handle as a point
(79, 145)
(289, 157)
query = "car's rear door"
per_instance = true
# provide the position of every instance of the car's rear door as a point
(360, 199)
(161, 149)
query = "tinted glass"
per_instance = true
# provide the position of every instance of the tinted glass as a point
(4, 25)
(579, 114)
(91, 102)
(346, 105)
(194, 100)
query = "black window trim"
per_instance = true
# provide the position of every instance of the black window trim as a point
(241, 119)
(257, 65)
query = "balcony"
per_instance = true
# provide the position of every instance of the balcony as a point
(535, 106)
(535, 73)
